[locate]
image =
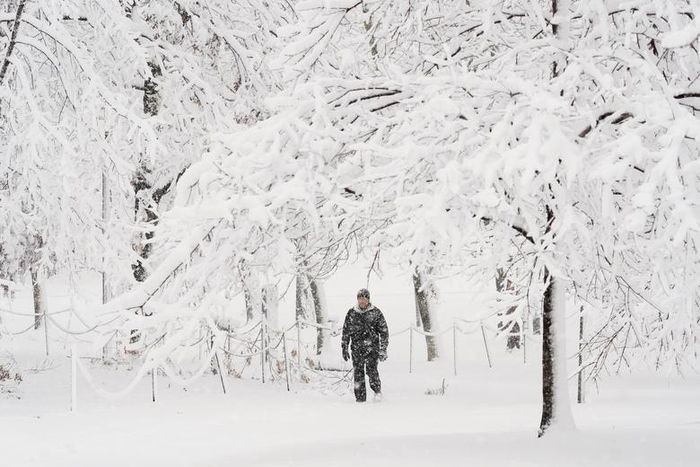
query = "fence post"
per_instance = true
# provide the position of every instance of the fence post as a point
(286, 362)
(154, 383)
(74, 378)
(46, 332)
(581, 394)
(454, 346)
(410, 350)
(486, 345)
(262, 348)
(221, 373)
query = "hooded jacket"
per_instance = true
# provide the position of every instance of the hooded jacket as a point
(366, 332)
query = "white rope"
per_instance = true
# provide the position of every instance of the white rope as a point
(143, 371)
(315, 325)
(431, 334)
(401, 332)
(78, 333)
(20, 332)
(17, 313)
(112, 395)
(243, 330)
(186, 382)
(466, 332)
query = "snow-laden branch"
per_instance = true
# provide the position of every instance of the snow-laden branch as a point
(12, 42)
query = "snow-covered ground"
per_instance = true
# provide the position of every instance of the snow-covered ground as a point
(487, 416)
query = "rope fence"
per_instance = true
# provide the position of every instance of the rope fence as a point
(270, 345)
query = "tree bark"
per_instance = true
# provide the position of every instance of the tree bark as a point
(555, 392)
(504, 285)
(251, 292)
(39, 296)
(547, 359)
(141, 183)
(423, 291)
(13, 41)
(301, 284)
(270, 305)
(320, 311)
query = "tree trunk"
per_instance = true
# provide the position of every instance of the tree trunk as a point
(105, 214)
(141, 183)
(39, 295)
(555, 393)
(270, 305)
(301, 297)
(504, 285)
(580, 392)
(423, 293)
(251, 293)
(318, 295)
(13, 40)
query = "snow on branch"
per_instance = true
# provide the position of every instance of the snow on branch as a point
(683, 37)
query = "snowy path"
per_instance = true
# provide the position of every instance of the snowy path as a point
(482, 420)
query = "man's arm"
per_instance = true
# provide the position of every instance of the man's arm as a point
(345, 341)
(383, 331)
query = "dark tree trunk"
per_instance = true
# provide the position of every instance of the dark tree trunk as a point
(249, 304)
(37, 293)
(503, 285)
(251, 291)
(300, 296)
(580, 394)
(270, 304)
(547, 357)
(141, 183)
(554, 406)
(320, 313)
(13, 40)
(422, 290)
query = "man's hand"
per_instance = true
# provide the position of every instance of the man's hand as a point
(346, 354)
(382, 356)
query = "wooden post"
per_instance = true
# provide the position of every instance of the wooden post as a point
(410, 350)
(486, 345)
(154, 383)
(286, 362)
(581, 394)
(74, 378)
(46, 332)
(228, 353)
(221, 374)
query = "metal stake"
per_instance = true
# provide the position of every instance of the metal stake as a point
(286, 362)
(486, 345)
(221, 374)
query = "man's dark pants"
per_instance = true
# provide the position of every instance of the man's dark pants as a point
(367, 363)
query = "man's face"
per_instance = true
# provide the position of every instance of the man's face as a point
(362, 302)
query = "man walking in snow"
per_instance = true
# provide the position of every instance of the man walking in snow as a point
(367, 334)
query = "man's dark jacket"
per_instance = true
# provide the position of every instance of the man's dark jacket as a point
(366, 332)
